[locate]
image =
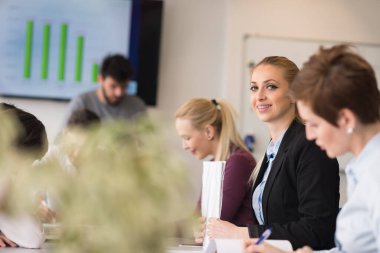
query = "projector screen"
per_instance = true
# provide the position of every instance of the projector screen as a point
(52, 49)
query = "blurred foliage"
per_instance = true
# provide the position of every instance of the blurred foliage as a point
(126, 195)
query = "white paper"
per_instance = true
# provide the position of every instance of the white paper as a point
(212, 194)
(236, 245)
(185, 249)
(24, 230)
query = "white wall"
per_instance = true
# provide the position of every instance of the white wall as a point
(193, 51)
(202, 46)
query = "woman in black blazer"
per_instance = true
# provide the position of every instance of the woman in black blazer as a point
(296, 187)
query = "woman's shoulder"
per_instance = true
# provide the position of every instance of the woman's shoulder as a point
(296, 131)
(296, 143)
(300, 150)
(295, 137)
(241, 156)
(240, 152)
(240, 164)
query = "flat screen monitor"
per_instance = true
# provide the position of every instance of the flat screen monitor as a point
(53, 49)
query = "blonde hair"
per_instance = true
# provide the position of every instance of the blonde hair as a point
(290, 71)
(255, 172)
(217, 113)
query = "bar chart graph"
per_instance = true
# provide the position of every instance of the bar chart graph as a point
(54, 48)
(28, 49)
(45, 56)
(62, 52)
(45, 51)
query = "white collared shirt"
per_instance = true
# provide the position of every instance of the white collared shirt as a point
(257, 197)
(358, 223)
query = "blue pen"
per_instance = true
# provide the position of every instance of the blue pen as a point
(264, 236)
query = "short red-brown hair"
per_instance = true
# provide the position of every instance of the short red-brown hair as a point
(337, 78)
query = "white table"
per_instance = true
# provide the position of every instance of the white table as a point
(48, 245)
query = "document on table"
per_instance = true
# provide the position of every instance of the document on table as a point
(52, 231)
(236, 245)
(212, 195)
(185, 249)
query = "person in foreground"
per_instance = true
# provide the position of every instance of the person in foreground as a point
(338, 97)
(23, 229)
(207, 128)
(296, 188)
(80, 119)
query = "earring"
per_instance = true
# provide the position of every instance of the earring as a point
(349, 130)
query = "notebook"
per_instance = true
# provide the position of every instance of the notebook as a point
(212, 194)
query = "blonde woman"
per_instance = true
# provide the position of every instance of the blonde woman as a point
(296, 187)
(207, 128)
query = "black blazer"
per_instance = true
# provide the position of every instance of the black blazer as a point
(301, 195)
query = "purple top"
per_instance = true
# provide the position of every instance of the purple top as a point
(236, 203)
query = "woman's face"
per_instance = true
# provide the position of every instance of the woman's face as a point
(269, 94)
(194, 140)
(334, 140)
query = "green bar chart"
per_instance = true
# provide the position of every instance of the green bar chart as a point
(28, 49)
(79, 58)
(95, 72)
(45, 52)
(62, 52)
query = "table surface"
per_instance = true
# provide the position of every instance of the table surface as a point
(48, 245)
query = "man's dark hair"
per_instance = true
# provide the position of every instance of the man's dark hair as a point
(83, 118)
(117, 67)
(32, 136)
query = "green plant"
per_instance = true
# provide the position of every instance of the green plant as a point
(126, 195)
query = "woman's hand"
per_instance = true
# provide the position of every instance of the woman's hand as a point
(199, 231)
(305, 249)
(5, 242)
(217, 228)
(251, 247)
(45, 214)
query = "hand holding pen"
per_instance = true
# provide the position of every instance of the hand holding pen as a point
(264, 236)
(258, 246)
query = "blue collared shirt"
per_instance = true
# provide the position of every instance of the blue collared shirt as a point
(257, 197)
(358, 223)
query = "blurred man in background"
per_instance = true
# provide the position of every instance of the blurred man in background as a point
(110, 100)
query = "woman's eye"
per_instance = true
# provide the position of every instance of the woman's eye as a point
(271, 87)
(253, 88)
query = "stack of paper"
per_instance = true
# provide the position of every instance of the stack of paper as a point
(212, 194)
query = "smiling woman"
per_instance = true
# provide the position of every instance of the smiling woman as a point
(269, 97)
(296, 187)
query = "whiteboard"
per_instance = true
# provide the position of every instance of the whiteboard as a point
(256, 47)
